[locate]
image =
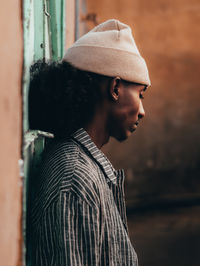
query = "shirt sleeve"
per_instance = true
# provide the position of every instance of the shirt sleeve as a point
(80, 224)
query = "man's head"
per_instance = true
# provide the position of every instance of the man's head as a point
(110, 50)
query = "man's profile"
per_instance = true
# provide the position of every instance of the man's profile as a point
(77, 215)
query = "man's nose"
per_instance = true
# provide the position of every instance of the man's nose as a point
(141, 111)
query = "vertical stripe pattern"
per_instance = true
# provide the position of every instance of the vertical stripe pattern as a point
(77, 215)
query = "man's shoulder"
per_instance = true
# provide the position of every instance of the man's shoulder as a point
(70, 159)
(60, 153)
(82, 174)
(72, 155)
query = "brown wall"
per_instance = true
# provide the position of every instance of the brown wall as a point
(70, 22)
(162, 157)
(10, 133)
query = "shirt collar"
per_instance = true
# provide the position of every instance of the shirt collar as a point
(83, 138)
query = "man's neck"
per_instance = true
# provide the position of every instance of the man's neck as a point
(97, 130)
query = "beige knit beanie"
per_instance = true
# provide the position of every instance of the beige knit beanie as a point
(109, 49)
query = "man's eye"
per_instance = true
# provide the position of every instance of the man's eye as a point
(141, 96)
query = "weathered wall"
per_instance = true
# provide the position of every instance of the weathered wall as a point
(162, 157)
(70, 22)
(10, 133)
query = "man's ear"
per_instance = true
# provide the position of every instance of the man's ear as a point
(114, 88)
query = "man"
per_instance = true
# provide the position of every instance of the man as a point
(77, 207)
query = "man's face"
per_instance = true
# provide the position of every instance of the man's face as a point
(126, 110)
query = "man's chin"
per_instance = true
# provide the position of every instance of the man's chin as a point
(123, 137)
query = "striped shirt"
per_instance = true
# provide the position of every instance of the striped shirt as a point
(78, 213)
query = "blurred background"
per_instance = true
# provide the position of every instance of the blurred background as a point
(161, 159)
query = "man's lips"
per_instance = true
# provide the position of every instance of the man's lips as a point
(134, 126)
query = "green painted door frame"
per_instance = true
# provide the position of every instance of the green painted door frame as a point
(44, 38)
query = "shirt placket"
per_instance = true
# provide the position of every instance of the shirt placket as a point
(119, 196)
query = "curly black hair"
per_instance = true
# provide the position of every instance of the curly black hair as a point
(62, 98)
